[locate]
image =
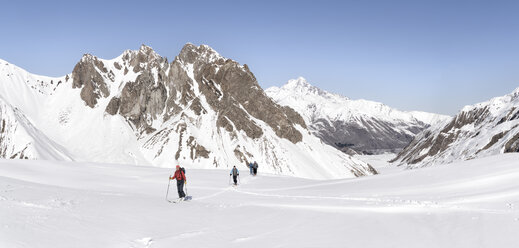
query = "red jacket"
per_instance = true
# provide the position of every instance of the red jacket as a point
(179, 175)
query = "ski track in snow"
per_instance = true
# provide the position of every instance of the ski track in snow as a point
(93, 205)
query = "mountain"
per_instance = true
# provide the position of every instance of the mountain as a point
(479, 130)
(353, 126)
(202, 110)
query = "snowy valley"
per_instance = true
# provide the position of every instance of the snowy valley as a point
(66, 204)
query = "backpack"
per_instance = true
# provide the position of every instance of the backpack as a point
(182, 171)
(234, 171)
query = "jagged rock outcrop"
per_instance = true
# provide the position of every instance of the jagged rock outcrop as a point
(483, 129)
(87, 76)
(144, 100)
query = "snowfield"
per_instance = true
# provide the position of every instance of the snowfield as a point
(65, 204)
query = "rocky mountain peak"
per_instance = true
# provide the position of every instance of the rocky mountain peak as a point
(199, 80)
(143, 58)
(146, 49)
(191, 53)
(87, 57)
(87, 75)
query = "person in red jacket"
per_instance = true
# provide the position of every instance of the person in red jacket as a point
(181, 180)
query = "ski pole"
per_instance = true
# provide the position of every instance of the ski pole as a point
(229, 179)
(169, 182)
(239, 180)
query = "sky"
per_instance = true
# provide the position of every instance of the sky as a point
(434, 56)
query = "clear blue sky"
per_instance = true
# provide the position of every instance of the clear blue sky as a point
(413, 55)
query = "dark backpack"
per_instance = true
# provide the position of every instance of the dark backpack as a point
(234, 171)
(183, 170)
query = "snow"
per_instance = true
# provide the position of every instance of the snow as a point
(313, 103)
(19, 138)
(473, 138)
(380, 162)
(70, 204)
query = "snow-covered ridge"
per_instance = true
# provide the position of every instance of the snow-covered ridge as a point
(495, 104)
(20, 139)
(337, 106)
(331, 115)
(138, 108)
(483, 129)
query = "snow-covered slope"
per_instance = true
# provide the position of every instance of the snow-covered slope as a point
(364, 126)
(201, 110)
(61, 204)
(19, 139)
(479, 130)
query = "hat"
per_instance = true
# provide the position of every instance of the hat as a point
(178, 166)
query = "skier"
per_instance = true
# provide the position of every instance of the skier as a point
(180, 175)
(251, 167)
(255, 168)
(235, 173)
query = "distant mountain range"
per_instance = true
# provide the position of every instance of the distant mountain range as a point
(203, 110)
(353, 126)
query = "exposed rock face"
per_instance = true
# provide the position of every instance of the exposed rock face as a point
(142, 101)
(229, 88)
(86, 75)
(512, 145)
(352, 126)
(233, 90)
(113, 106)
(483, 129)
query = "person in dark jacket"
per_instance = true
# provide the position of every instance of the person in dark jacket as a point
(251, 167)
(180, 176)
(235, 173)
(255, 168)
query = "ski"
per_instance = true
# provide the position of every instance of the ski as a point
(175, 201)
(187, 198)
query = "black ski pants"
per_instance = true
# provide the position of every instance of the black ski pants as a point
(180, 188)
